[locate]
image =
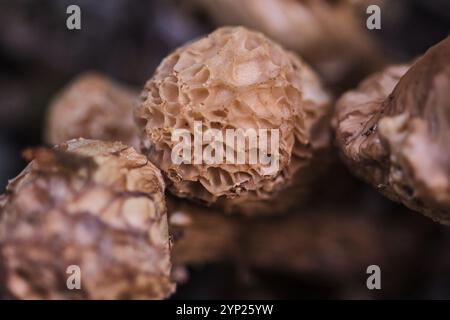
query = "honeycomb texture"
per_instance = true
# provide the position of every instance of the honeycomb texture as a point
(236, 79)
(99, 206)
(92, 107)
(393, 131)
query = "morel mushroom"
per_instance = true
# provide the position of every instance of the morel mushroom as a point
(236, 80)
(397, 138)
(93, 107)
(94, 205)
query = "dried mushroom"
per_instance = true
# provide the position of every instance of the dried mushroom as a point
(331, 35)
(97, 206)
(236, 79)
(92, 107)
(394, 131)
(331, 242)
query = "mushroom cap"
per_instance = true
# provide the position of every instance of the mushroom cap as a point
(235, 79)
(95, 205)
(93, 107)
(393, 131)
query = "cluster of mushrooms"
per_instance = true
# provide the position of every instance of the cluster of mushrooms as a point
(108, 198)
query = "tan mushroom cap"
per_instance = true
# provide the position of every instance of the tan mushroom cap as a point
(394, 131)
(99, 206)
(236, 79)
(92, 106)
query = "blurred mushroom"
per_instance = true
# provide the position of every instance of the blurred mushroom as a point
(395, 135)
(93, 205)
(236, 80)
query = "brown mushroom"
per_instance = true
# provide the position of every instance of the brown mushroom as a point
(236, 79)
(94, 205)
(395, 135)
(93, 107)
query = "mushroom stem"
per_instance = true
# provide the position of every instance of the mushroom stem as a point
(393, 131)
(321, 240)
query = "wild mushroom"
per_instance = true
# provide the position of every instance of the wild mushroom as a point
(238, 82)
(396, 135)
(94, 205)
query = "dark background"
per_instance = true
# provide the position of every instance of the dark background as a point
(126, 40)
